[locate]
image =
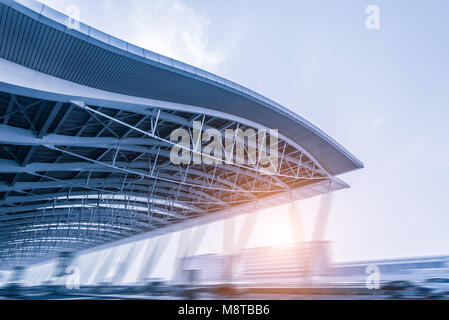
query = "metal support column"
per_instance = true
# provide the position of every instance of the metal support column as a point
(297, 234)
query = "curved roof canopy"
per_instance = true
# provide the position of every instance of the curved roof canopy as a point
(85, 121)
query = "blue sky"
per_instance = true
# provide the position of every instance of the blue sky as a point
(383, 94)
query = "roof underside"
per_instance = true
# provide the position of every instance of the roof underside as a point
(72, 178)
(75, 176)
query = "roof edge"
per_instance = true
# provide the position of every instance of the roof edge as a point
(56, 19)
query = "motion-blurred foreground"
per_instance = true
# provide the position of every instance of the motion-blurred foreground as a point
(301, 271)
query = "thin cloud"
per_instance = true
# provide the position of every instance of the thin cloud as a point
(173, 29)
(168, 27)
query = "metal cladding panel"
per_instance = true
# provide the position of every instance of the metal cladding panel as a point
(50, 48)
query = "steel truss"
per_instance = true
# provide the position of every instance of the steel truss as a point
(73, 176)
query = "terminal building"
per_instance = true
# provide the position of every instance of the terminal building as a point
(85, 140)
(301, 264)
(286, 264)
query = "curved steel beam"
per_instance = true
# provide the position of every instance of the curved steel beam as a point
(17, 136)
(126, 197)
(119, 220)
(117, 183)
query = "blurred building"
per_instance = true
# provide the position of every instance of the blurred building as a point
(300, 263)
(289, 263)
(408, 269)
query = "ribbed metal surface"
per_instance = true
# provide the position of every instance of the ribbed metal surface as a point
(36, 45)
(62, 55)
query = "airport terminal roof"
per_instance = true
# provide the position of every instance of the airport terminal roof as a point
(85, 119)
